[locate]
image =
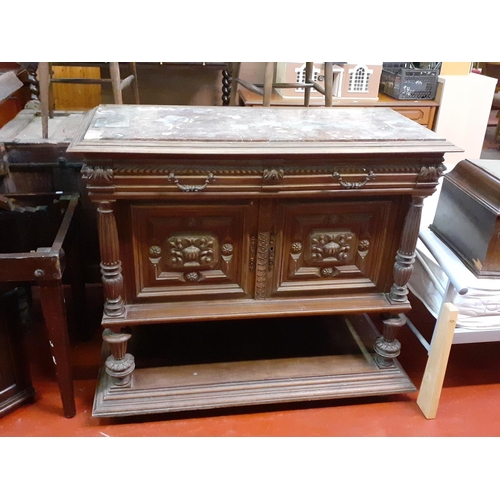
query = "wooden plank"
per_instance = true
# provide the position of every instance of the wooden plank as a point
(9, 83)
(76, 96)
(432, 382)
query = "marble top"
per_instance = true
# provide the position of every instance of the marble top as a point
(168, 128)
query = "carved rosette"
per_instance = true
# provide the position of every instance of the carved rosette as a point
(363, 247)
(328, 272)
(192, 276)
(154, 254)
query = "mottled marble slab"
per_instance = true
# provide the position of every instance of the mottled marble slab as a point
(122, 127)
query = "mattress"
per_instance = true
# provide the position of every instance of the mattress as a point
(478, 309)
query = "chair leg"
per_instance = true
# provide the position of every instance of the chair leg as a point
(268, 83)
(135, 83)
(235, 74)
(44, 81)
(309, 78)
(54, 312)
(328, 84)
(114, 70)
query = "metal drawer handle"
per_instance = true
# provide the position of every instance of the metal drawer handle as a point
(191, 189)
(354, 185)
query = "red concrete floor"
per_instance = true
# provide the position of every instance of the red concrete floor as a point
(469, 405)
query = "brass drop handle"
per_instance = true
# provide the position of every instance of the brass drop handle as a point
(354, 185)
(190, 188)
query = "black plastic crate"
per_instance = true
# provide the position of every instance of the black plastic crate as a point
(404, 81)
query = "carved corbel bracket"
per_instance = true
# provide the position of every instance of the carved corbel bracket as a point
(272, 177)
(431, 173)
(100, 179)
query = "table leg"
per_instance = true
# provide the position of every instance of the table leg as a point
(54, 312)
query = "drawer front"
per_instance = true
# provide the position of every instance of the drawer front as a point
(191, 252)
(419, 115)
(339, 248)
(276, 177)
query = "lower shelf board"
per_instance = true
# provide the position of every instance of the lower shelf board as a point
(208, 385)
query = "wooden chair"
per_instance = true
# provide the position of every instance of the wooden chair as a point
(46, 81)
(269, 84)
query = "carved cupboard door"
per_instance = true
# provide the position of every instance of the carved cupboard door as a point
(192, 251)
(329, 248)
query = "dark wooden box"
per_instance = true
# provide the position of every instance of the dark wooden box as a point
(467, 217)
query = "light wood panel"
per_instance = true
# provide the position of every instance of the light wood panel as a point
(76, 96)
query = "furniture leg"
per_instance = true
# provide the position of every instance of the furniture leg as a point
(114, 70)
(43, 78)
(235, 74)
(328, 84)
(51, 93)
(309, 79)
(111, 266)
(405, 256)
(119, 364)
(388, 347)
(135, 82)
(54, 312)
(268, 83)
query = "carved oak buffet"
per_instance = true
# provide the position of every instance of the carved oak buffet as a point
(215, 213)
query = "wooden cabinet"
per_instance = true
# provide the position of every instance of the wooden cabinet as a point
(422, 112)
(235, 213)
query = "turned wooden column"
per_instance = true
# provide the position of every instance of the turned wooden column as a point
(405, 256)
(388, 346)
(111, 266)
(119, 364)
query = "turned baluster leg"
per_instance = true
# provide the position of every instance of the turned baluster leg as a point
(388, 346)
(405, 256)
(111, 266)
(119, 364)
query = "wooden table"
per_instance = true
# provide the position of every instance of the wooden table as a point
(422, 112)
(239, 213)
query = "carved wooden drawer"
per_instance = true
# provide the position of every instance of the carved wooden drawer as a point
(192, 252)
